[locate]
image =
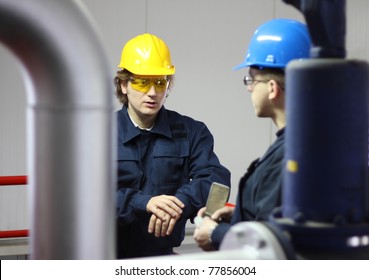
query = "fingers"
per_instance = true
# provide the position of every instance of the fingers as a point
(165, 204)
(224, 213)
(155, 226)
(171, 225)
(160, 228)
(171, 208)
(152, 224)
(166, 210)
(201, 212)
(161, 214)
(171, 201)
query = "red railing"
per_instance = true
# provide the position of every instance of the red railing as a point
(14, 233)
(9, 181)
(13, 180)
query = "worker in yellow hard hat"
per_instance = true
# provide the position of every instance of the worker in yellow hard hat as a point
(166, 163)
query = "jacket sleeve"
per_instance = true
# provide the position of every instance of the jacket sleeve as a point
(131, 204)
(218, 234)
(204, 169)
(131, 201)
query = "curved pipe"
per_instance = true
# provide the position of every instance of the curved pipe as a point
(70, 127)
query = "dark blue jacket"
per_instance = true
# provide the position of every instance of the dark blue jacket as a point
(259, 189)
(175, 158)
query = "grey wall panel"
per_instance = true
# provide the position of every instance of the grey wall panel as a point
(12, 116)
(13, 199)
(357, 34)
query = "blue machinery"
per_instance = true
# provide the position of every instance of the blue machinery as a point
(326, 193)
(325, 211)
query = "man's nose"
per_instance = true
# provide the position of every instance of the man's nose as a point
(152, 91)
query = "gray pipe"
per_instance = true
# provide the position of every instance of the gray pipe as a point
(70, 127)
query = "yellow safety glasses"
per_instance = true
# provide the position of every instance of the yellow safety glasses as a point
(145, 84)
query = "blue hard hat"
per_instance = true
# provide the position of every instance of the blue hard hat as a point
(277, 42)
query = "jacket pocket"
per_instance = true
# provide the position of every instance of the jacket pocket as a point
(170, 165)
(129, 174)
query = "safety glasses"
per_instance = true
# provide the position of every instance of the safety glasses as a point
(248, 81)
(145, 84)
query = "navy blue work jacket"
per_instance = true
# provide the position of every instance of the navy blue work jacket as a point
(259, 189)
(176, 158)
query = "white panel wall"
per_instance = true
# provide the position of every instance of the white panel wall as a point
(13, 199)
(207, 39)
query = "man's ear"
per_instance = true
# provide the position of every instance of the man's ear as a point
(274, 90)
(123, 87)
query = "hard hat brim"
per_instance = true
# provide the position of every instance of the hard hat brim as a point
(240, 66)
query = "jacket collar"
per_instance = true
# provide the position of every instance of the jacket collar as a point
(129, 131)
(279, 141)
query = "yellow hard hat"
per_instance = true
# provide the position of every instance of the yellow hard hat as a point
(146, 54)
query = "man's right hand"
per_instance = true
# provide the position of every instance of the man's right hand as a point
(160, 228)
(223, 214)
(163, 205)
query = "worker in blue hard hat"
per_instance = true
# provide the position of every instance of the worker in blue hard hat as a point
(273, 45)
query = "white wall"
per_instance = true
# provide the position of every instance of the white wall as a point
(207, 39)
(13, 200)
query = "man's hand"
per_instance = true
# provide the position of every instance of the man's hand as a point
(160, 228)
(202, 234)
(205, 225)
(165, 207)
(223, 214)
